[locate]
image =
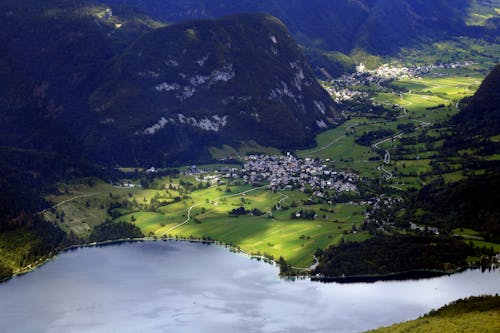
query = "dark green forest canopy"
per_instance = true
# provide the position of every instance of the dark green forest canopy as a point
(471, 203)
(392, 254)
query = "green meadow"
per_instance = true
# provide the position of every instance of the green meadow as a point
(474, 322)
(273, 233)
(474, 315)
(246, 148)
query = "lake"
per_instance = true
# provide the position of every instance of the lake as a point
(191, 287)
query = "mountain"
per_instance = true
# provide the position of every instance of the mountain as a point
(377, 26)
(237, 78)
(51, 56)
(101, 85)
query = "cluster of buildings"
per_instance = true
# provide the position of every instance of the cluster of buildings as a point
(344, 94)
(287, 172)
(342, 88)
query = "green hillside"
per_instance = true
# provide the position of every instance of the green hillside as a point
(472, 315)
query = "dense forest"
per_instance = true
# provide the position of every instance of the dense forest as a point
(110, 231)
(26, 177)
(389, 254)
(5, 272)
(471, 203)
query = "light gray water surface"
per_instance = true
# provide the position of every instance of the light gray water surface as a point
(191, 287)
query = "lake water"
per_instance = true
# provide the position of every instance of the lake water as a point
(189, 287)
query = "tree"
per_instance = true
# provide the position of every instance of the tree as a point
(284, 267)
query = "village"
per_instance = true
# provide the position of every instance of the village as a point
(342, 89)
(285, 172)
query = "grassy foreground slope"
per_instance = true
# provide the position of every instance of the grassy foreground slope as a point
(475, 314)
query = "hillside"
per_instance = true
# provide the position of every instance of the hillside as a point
(238, 78)
(346, 26)
(481, 114)
(471, 315)
(106, 81)
(407, 253)
(44, 97)
(26, 175)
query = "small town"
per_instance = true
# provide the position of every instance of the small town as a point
(341, 88)
(285, 172)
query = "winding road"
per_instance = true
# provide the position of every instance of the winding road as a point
(387, 154)
(284, 197)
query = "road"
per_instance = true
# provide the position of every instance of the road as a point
(387, 154)
(283, 198)
(66, 201)
(327, 146)
(331, 143)
(188, 217)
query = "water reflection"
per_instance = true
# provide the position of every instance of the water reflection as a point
(185, 287)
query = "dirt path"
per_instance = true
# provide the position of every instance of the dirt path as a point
(327, 146)
(188, 217)
(66, 201)
(331, 143)
(283, 198)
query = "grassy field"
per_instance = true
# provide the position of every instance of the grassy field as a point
(339, 146)
(419, 95)
(275, 232)
(83, 204)
(472, 315)
(483, 53)
(475, 322)
(249, 147)
(452, 88)
(475, 237)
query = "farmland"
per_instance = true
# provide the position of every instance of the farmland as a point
(274, 233)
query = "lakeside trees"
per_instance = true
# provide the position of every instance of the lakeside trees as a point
(114, 230)
(396, 253)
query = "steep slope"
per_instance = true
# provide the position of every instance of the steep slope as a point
(182, 87)
(473, 314)
(392, 24)
(481, 115)
(51, 56)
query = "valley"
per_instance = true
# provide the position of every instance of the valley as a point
(331, 141)
(291, 205)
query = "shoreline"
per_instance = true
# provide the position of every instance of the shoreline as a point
(362, 278)
(45, 260)
(416, 274)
